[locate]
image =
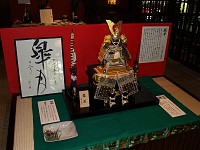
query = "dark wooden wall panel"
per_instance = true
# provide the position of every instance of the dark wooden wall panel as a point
(5, 19)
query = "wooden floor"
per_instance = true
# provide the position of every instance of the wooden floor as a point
(177, 73)
(184, 77)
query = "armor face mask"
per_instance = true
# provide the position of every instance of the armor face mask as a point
(115, 41)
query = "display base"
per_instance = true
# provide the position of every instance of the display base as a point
(142, 98)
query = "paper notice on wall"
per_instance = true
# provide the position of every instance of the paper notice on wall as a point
(153, 44)
(48, 111)
(170, 107)
(24, 2)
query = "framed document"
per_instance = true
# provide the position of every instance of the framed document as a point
(46, 16)
(153, 44)
(40, 66)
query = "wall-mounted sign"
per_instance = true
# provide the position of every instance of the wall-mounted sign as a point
(40, 66)
(153, 44)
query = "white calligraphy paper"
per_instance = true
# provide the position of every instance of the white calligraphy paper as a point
(40, 66)
(170, 107)
(48, 111)
(153, 43)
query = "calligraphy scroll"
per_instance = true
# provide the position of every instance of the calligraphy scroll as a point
(40, 66)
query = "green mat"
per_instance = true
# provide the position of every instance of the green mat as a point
(116, 130)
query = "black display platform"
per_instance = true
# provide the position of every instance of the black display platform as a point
(142, 98)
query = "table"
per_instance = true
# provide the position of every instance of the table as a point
(151, 125)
